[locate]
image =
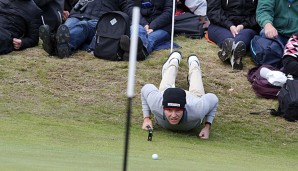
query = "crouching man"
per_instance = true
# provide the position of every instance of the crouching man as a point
(175, 108)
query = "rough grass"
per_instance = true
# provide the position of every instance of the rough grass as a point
(69, 114)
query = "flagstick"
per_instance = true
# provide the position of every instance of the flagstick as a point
(131, 74)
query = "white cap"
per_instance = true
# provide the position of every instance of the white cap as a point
(276, 78)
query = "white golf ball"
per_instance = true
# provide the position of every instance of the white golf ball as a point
(154, 156)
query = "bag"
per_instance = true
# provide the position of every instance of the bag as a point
(110, 27)
(188, 24)
(266, 51)
(260, 85)
(288, 101)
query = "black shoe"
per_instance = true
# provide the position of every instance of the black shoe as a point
(142, 52)
(47, 42)
(226, 51)
(238, 53)
(62, 40)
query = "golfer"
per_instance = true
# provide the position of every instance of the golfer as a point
(175, 108)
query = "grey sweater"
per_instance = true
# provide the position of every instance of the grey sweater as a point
(196, 108)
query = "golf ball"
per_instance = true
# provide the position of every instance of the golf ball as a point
(154, 156)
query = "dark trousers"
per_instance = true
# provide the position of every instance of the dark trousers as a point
(218, 34)
(5, 42)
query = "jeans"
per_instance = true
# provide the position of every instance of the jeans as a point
(81, 32)
(218, 34)
(152, 40)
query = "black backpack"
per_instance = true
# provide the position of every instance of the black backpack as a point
(110, 27)
(188, 24)
(288, 101)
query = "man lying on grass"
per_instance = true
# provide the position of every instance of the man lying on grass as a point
(175, 108)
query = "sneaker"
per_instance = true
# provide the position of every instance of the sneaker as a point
(238, 53)
(45, 36)
(192, 58)
(173, 55)
(142, 52)
(62, 40)
(226, 51)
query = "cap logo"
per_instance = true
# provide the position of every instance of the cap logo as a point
(173, 105)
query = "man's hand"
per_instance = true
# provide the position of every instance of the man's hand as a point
(270, 31)
(234, 30)
(147, 121)
(204, 134)
(17, 43)
(148, 30)
(65, 15)
(239, 28)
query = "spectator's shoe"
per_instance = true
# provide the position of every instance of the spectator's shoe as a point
(45, 36)
(226, 52)
(291, 48)
(174, 55)
(62, 40)
(142, 53)
(238, 53)
(192, 58)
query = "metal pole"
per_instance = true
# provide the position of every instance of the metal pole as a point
(131, 74)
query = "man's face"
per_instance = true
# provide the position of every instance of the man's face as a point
(174, 115)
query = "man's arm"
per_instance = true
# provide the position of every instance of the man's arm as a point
(204, 134)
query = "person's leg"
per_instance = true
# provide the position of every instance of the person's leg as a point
(78, 34)
(91, 29)
(195, 76)
(218, 34)
(169, 71)
(245, 36)
(155, 38)
(71, 22)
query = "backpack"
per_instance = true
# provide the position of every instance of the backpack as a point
(266, 51)
(288, 101)
(110, 27)
(188, 24)
(260, 85)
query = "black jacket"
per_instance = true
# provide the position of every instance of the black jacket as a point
(21, 19)
(52, 12)
(158, 16)
(96, 8)
(233, 12)
(69, 4)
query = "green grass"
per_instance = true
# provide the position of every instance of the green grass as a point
(69, 114)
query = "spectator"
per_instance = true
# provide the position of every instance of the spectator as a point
(278, 20)
(233, 25)
(290, 57)
(79, 28)
(19, 22)
(154, 28)
(175, 108)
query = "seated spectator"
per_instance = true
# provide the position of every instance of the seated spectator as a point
(290, 57)
(19, 22)
(175, 108)
(154, 28)
(79, 28)
(232, 26)
(278, 20)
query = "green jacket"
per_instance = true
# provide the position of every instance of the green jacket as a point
(280, 14)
